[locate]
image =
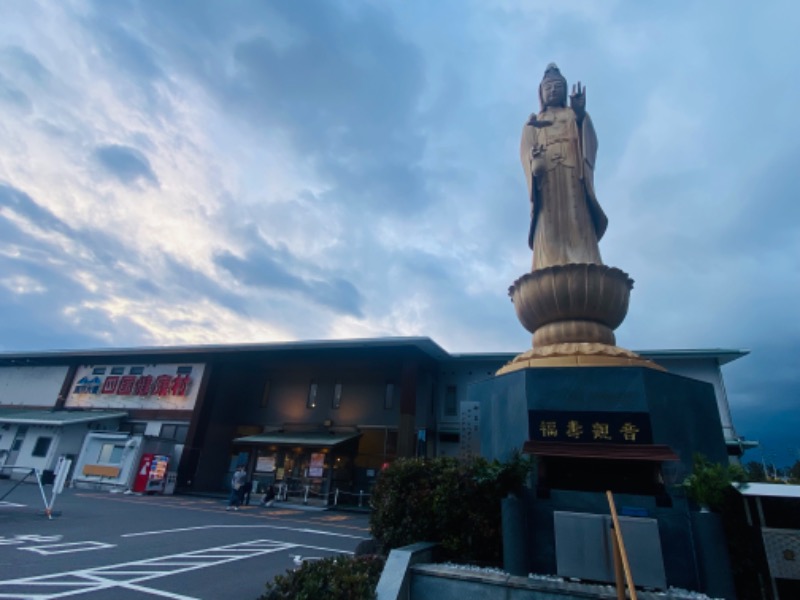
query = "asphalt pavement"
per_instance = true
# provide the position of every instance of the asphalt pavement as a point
(124, 546)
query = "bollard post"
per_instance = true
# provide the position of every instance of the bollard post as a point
(336, 497)
(360, 497)
(305, 498)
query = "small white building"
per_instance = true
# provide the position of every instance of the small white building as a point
(123, 462)
(35, 439)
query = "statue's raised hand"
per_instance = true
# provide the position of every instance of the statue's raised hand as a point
(577, 99)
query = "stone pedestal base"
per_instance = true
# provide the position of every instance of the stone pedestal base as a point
(572, 303)
(578, 355)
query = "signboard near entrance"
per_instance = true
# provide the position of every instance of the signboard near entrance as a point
(265, 464)
(317, 465)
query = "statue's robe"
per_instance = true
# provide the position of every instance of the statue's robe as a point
(566, 219)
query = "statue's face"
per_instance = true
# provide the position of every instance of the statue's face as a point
(554, 92)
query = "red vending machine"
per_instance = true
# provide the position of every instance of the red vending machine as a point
(152, 474)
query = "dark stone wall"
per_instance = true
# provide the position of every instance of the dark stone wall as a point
(678, 412)
(682, 412)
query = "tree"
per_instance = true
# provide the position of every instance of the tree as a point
(755, 472)
(794, 472)
(709, 482)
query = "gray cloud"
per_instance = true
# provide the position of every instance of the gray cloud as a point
(98, 253)
(127, 164)
(13, 96)
(23, 64)
(344, 89)
(272, 269)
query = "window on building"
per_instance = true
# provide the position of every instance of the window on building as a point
(388, 399)
(174, 432)
(337, 395)
(451, 401)
(134, 427)
(42, 446)
(181, 431)
(311, 402)
(136, 370)
(391, 443)
(184, 369)
(110, 454)
(265, 394)
(19, 436)
(99, 371)
(117, 370)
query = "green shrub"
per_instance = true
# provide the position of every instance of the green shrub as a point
(709, 482)
(337, 578)
(444, 500)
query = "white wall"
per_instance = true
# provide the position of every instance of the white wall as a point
(31, 386)
(91, 450)
(25, 457)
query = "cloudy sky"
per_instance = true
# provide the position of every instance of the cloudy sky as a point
(192, 172)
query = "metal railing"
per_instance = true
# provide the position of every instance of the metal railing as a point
(363, 497)
(283, 494)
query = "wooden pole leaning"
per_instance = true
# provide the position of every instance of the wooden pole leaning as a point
(619, 577)
(620, 555)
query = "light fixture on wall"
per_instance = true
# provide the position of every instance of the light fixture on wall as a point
(311, 402)
(337, 394)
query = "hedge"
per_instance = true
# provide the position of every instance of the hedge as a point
(337, 578)
(452, 502)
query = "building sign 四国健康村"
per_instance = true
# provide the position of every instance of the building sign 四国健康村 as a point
(135, 385)
(169, 386)
(590, 427)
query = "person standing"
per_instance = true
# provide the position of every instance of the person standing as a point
(237, 488)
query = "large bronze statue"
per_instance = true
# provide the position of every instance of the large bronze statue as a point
(558, 151)
(570, 301)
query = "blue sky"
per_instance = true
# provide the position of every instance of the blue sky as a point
(194, 172)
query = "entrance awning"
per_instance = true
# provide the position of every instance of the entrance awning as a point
(651, 452)
(291, 438)
(58, 418)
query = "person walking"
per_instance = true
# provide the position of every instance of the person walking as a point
(237, 488)
(247, 489)
(269, 497)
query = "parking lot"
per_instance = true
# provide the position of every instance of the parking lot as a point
(124, 546)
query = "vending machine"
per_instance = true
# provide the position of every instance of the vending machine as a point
(152, 474)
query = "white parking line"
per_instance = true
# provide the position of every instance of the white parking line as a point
(249, 528)
(128, 575)
(67, 548)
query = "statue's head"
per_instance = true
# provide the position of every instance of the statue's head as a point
(553, 89)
